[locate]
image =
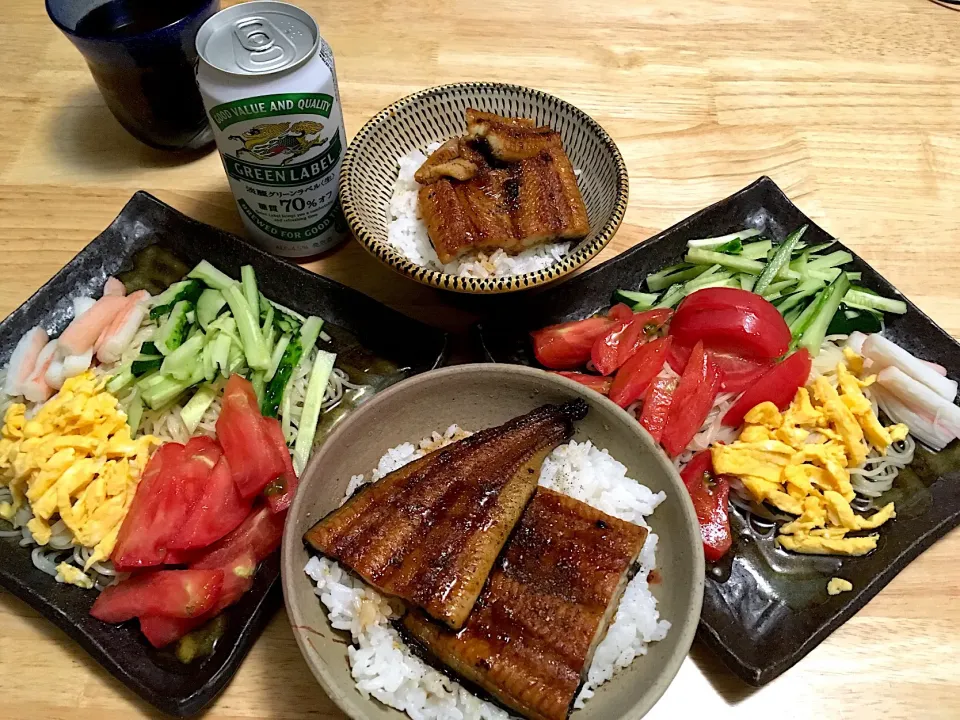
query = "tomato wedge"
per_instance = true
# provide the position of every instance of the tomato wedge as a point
(778, 385)
(692, 401)
(261, 533)
(736, 373)
(734, 321)
(253, 458)
(656, 406)
(620, 312)
(709, 493)
(633, 379)
(280, 491)
(219, 510)
(622, 340)
(175, 593)
(161, 630)
(567, 346)
(594, 382)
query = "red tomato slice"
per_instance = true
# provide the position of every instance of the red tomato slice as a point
(656, 406)
(622, 340)
(678, 356)
(252, 456)
(709, 494)
(594, 382)
(778, 385)
(642, 329)
(162, 630)
(175, 593)
(620, 312)
(261, 532)
(734, 330)
(219, 510)
(715, 298)
(736, 373)
(567, 346)
(280, 491)
(637, 373)
(692, 401)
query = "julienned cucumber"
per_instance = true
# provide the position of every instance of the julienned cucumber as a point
(779, 261)
(189, 291)
(248, 325)
(193, 411)
(715, 242)
(864, 300)
(316, 388)
(173, 331)
(209, 305)
(214, 278)
(826, 307)
(736, 263)
(636, 300)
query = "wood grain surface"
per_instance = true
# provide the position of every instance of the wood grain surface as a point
(851, 106)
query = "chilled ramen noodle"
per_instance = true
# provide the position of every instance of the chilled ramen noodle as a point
(268, 82)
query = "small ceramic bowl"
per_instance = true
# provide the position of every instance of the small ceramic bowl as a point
(436, 115)
(475, 397)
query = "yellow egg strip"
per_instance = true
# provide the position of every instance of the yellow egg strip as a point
(75, 459)
(798, 460)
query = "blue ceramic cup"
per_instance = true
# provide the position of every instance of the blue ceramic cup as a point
(143, 57)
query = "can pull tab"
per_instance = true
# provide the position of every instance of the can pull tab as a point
(260, 46)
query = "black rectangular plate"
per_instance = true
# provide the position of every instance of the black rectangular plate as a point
(764, 609)
(155, 675)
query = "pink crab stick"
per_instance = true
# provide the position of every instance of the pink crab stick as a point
(24, 360)
(114, 287)
(82, 333)
(35, 387)
(117, 336)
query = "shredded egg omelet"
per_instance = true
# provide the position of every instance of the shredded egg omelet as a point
(798, 461)
(74, 459)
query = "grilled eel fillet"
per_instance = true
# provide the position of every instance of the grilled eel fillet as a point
(528, 196)
(430, 532)
(530, 639)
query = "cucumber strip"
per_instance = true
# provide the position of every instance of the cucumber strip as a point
(209, 364)
(802, 320)
(309, 333)
(186, 359)
(857, 298)
(803, 291)
(747, 281)
(134, 412)
(854, 276)
(269, 338)
(248, 325)
(307, 428)
(277, 356)
(169, 388)
(800, 264)
(672, 275)
(193, 411)
(791, 316)
(756, 250)
(189, 291)
(821, 247)
(268, 318)
(259, 385)
(715, 282)
(779, 261)
(150, 381)
(834, 259)
(209, 305)
(671, 297)
(632, 298)
(119, 381)
(707, 280)
(715, 242)
(173, 331)
(827, 306)
(248, 280)
(734, 247)
(737, 263)
(777, 288)
(286, 408)
(144, 364)
(213, 277)
(221, 353)
(167, 296)
(235, 360)
(277, 387)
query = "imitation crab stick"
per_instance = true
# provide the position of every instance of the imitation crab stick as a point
(114, 287)
(24, 360)
(35, 387)
(82, 333)
(119, 333)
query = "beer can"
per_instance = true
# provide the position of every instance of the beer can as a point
(269, 86)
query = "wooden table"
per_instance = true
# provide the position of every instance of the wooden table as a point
(850, 106)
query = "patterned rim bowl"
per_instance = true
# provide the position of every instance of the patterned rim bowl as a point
(370, 169)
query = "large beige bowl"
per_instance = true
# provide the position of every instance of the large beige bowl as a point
(479, 396)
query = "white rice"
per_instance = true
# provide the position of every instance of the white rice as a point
(408, 234)
(384, 667)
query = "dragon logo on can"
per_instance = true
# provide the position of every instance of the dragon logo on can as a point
(280, 140)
